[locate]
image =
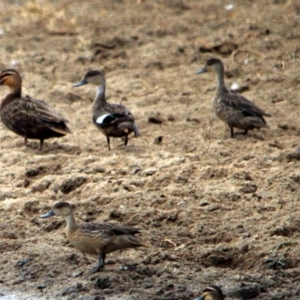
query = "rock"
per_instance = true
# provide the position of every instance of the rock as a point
(102, 282)
(147, 285)
(115, 214)
(31, 207)
(33, 172)
(41, 287)
(24, 261)
(72, 289)
(248, 188)
(245, 292)
(156, 120)
(158, 140)
(54, 225)
(77, 274)
(40, 185)
(72, 184)
(149, 172)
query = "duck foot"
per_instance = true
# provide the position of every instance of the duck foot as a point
(100, 265)
(95, 270)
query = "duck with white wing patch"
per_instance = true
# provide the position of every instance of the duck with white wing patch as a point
(113, 120)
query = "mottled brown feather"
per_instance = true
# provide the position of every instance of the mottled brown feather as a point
(96, 238)
(233, 109)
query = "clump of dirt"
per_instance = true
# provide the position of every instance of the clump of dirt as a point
(214, 210)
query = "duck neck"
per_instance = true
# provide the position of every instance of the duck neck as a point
(221, 87)
(15, 93)
(100, 97)
(71, 223)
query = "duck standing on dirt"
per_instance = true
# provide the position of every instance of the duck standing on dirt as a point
(211, 292)
(233, 109)
(113, 120)
(28, 117)
(95, 238)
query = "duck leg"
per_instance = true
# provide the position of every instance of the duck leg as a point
(231, 132)
(108, 142)
(126, 140)
(41, 144)
(245, 132)
(100, 265)
(25, 141)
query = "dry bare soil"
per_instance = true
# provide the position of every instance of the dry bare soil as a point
(213, 209)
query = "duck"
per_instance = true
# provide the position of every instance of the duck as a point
(113, 120)
(212, 292)
(95, 238)
(233, 109)
(28, 117)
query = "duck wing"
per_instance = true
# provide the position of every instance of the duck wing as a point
(120, 109)
(241, 103)
(40, 110)
(106, 120)
(108, 228)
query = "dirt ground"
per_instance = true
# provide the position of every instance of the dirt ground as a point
(214, 210)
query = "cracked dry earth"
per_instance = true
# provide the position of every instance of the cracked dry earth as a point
(213, 209)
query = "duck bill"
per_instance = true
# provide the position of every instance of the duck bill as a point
(48, 214)
(201, 71)
(80, 83)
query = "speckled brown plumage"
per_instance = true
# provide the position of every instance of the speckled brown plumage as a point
(96, 238)
(211, 292)
(28, 117)
(233, 109)
(113, 120)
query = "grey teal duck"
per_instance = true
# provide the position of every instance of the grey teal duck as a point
(233, 109)
(211, 292)
(95, 238)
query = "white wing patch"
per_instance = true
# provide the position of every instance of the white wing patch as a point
(102, 118)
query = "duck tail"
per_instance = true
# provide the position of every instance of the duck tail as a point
(136, 130)
(63, 130)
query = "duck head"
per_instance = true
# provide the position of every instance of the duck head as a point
(212, 292)
(63, 209)
(11, 78)
(212, 65)
(93, 77)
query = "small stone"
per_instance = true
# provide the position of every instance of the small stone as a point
(135, 171)
(40, 185)
(155, 120)
(158, 140)
(77, 274)
(248, 188)
(72, 184)
(102, 283)
(245, 292)
(148, 285)
(32, 172)
(72, 289)
(115, 214)
(149, 172)
(24, 261)
(41, 287)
